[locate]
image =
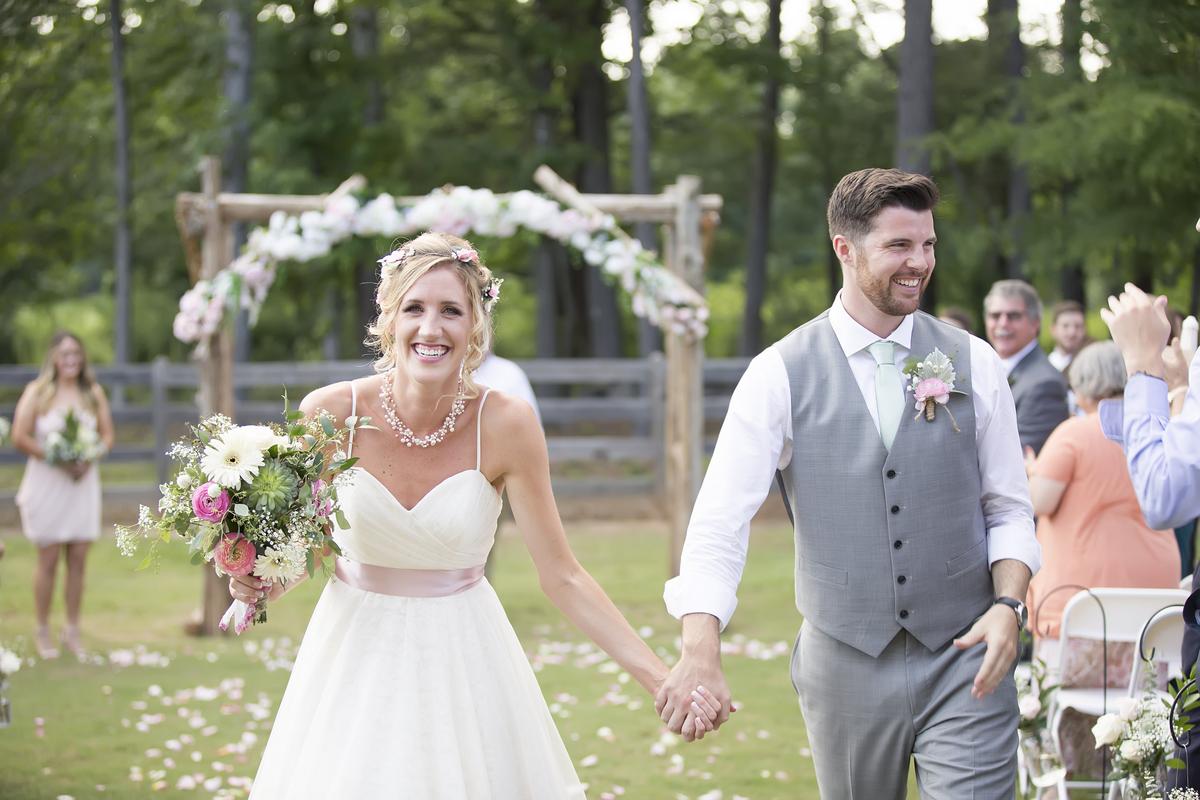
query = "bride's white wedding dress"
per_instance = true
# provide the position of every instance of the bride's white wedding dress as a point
(410, 682)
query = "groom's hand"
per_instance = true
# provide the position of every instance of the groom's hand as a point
(698, 666)
(998, 630)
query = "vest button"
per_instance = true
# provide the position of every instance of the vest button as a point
(897, 544)
(902, 580)
(891, 473)
(895, 509)
(904, 613)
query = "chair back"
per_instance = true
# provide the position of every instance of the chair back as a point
(1118, 615)
(1162, 642)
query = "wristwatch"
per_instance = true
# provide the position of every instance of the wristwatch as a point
(1018, 608)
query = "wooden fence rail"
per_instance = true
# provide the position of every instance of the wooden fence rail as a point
(595, 411)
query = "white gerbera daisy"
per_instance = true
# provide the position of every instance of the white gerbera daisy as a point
(280, 564)
(232, 458)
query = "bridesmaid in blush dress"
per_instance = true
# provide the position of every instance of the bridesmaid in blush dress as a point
(60, 503)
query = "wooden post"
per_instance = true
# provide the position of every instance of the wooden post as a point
(684, 423)
(216, 366)
(160, 398)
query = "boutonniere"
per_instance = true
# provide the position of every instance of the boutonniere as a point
(931, 380)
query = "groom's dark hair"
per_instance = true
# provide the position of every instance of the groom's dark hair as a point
(861, 195)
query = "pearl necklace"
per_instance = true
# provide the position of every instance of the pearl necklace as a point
(403, 432)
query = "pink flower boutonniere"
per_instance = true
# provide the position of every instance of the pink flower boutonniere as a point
(931, 380)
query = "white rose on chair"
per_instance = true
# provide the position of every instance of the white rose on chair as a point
(1029, 706)
(1107, 729)
(1134, 750)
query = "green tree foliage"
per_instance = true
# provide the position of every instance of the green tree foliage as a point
(1112, 158)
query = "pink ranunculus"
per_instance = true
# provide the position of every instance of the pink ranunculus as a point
(210, 506)
(934, 388)
(323, 509)
(235, 555)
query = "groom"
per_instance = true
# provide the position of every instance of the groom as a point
(914, 531)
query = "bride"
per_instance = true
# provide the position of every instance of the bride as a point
(410, 682)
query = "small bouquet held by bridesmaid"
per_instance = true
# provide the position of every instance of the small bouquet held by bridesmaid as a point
(251, 499)
(75, 442)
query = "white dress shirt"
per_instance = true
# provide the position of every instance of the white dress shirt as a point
(756, 439)
(500, 373)
(1011, 362)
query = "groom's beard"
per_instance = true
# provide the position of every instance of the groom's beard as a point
(879, 290)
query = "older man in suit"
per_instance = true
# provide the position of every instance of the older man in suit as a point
(1013, 318)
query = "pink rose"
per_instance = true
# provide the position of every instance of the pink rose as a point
(467, 256)
(235, 555)
(323, 509)
(934, 388)
(209, 506)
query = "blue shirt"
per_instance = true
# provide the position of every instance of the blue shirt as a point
(1163, 453)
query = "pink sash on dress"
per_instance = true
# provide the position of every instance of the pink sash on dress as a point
(406, 582)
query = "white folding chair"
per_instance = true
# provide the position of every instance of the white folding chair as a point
(1101, 614)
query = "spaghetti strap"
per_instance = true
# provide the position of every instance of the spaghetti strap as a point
(479, 432)
(353, 413)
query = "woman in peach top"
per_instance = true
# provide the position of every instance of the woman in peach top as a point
(1089, 524)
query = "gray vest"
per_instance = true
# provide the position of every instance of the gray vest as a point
(884, 541)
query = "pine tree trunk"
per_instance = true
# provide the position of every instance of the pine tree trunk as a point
(122, 238)
(238, 20)
(1071, 285)
(914, 100)
(762, 188)
(364, 45)
(825, 117)
(649, 338)
(590, 101)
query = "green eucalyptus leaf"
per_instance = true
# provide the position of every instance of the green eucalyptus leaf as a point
(341, 520)
(242, 510)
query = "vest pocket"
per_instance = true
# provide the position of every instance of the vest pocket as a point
(972, 557)
(824, 572)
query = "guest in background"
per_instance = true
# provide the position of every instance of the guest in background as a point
(1069, 329)
(1162, 452)
(1089, 523)
(500, 373)
(1013, 318)
(958, 317)
(60, 502)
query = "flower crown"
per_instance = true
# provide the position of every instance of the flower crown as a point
(490, 292)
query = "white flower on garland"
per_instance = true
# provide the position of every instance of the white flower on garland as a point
(657, 294)
(231, 458)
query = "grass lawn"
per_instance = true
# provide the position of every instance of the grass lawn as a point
(152, 707)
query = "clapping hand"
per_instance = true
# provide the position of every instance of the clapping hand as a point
(1139, 326)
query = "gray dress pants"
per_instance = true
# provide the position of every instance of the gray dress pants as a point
(866, 716)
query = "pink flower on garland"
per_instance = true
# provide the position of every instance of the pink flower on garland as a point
(466, 255)
(235, 555)
(210, 502)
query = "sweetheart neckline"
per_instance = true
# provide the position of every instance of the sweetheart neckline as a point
(435, 487)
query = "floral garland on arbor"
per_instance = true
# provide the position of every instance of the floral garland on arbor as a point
(657, 294)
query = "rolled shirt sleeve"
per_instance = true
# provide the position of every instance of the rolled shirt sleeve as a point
(1163, 454)
(1004, 487)
(754, 441)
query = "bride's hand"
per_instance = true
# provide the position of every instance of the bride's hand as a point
(249, 589)
(701, 716)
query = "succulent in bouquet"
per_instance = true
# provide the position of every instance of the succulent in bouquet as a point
(251, 500)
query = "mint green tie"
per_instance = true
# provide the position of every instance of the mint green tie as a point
(889, 390)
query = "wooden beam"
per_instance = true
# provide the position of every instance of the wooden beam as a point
(684, 386)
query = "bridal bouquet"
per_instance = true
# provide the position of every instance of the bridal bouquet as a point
(73, 442)
(251, 500)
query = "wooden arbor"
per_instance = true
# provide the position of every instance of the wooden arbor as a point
(205, 220)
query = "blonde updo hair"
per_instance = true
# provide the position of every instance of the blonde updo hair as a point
(402, 268)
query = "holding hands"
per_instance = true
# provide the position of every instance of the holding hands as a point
(694, 699)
